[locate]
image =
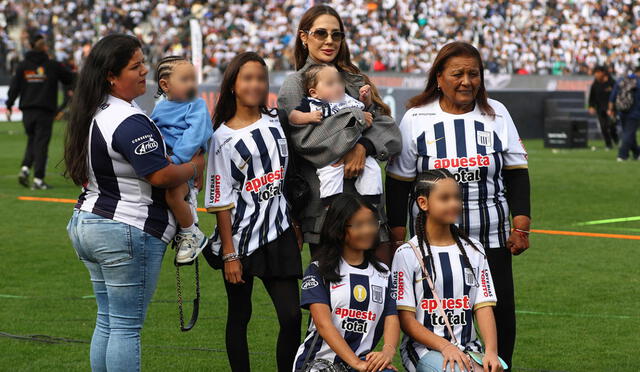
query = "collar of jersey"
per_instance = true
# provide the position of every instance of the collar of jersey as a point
(113, 100)
(224, 125)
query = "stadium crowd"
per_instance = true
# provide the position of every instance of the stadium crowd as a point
(520, 37)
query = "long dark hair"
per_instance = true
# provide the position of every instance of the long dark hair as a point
(424, 184)
(431, 92)
(343, 58)
(226, 106)
(110, 55)
(333, 232)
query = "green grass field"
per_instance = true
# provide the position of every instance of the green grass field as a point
(577, 306)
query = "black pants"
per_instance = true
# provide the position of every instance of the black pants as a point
(608, 129)
(38, 125)
(505, 310)
(286, 299)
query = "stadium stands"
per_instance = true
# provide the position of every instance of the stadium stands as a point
(519, 37)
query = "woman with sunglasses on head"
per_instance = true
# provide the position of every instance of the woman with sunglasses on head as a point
(349, 294)
(321, 40)
(248, 161)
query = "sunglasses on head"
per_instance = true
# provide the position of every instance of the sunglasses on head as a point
(321, 34)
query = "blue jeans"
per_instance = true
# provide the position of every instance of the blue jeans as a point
(628, 141)
(432, 362)
(124, 263)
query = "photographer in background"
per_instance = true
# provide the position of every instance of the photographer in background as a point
(598, 103)
(36, 83)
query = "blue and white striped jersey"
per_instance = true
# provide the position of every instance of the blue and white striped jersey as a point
(475, 148)
(359, 303)
(245, 173)
(125, 146)
(461, 290)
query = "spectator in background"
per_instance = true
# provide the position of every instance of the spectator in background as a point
(629, 116)
(36, 83)
(598, 103)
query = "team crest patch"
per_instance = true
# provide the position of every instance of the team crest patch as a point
(377, 294)
(470, 276)
(309, 282)
(484, 138)
(359, 293)
(282, 147)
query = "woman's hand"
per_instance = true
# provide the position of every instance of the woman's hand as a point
(379, 360)
(198, 160)
(233, 272)
(452, 356)
(368, 118)
(518, 242)
(491, 363)
(353, 161)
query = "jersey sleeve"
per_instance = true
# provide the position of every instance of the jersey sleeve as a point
(403, 165)
(314, 290)
(303, 106)
(390, 299)
(402, 271)
(485, 294)
(515, 155)
(220, 182)
(140, 142)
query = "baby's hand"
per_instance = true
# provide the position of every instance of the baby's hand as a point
(301, 118)
(368, 118)
(365, 95)
(314, 117)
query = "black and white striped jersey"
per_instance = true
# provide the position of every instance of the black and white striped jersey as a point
(125, 146)
(460, 288)
(474, 147)
(245, 173)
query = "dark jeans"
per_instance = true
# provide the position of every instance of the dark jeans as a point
(505, 309)
(608, 129)
(38, 125)
(629, 142)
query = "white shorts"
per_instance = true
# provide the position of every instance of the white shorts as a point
(369, 182)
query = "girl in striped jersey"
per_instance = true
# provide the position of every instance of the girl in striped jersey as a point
(462, 282)
(349, 294)
(254, 235)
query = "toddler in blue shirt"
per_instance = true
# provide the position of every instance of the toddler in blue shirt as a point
(186, 127)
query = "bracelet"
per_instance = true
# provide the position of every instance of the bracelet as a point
(230, 257)
(195, 169)
(524, 232)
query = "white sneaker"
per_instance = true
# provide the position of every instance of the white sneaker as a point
(190, 244)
